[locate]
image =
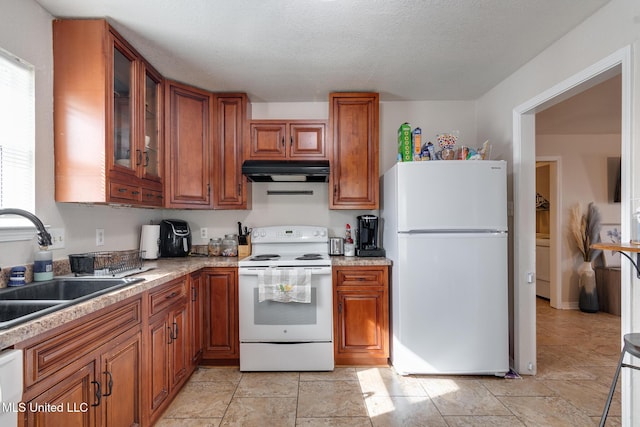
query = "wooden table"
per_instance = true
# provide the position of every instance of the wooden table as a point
(622, 248)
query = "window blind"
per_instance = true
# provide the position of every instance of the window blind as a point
(17, 136)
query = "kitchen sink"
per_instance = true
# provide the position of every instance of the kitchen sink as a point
(20, 304)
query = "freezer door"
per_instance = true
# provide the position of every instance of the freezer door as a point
(452, 195)
(449, 304)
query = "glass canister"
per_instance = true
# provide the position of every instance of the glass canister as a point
(230, 245)
(215, 247)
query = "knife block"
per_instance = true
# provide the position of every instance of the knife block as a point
(245, 250)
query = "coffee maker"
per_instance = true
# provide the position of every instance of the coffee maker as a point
(368, 237)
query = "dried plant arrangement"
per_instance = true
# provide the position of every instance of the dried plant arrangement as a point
(585, 229)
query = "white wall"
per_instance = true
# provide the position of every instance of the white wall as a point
(583, 179)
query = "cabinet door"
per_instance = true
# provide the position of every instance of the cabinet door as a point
(158, 359)
(360, 321)
(180, 361)
(267, 140)
(307, 140)
(188, 181)
(123, 100)
(120, 378)
(221, 314)
(152, 136)
(197, 318)
(354, 164)
(230, 188)
(76, 394)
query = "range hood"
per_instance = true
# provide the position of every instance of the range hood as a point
(286, 170)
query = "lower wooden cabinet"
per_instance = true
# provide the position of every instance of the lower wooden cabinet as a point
(222, 342)
(74, 390)
(168, 336)
(89, 371)
(361, 315)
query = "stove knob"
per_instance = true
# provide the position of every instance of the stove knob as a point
(316, 233)
(255, 233)
(323, 233)
(263, 233)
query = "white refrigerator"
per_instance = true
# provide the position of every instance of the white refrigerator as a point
(445, 229)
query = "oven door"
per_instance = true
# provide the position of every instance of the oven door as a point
(272, 321)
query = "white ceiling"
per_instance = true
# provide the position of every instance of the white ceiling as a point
(300, 50)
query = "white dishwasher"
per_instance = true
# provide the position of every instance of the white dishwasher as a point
(10, 387)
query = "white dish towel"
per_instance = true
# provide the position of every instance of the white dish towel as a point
(290, 285)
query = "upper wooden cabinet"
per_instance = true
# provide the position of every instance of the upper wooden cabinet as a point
(353, 124)
(293, 140)
(231, 190)
(188, 146)
(107, 117)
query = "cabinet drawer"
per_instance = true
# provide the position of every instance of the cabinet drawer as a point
(360, 277)
(151, 197)
(167, 295)
(46, 357)
(126, 192)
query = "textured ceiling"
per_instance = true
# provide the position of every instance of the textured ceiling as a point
(299, 50)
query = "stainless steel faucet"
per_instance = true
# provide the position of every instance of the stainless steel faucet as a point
(44, 238)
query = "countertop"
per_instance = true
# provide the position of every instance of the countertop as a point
(164, 270)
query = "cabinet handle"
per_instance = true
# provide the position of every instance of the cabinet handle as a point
(98, 393)
(291, 142)
(146, 159)
(239, 189)
(194, 294)
(335, 190)
(122, 190)
(175, 328)
(283, 141)
(171, 295)
(170, 335)
(340, 308)
(110, 384)
(135, 193)
(138, 157)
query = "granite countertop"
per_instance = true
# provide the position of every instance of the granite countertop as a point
(164, 270)
(358, 261)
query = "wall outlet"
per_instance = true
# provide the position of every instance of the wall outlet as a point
(57, 238)
(99, 236)
(203, 233)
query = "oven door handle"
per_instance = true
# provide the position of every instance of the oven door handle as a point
(253, 271)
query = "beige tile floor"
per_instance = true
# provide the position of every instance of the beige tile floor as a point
(577, 354)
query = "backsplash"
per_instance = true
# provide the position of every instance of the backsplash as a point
(60, 268)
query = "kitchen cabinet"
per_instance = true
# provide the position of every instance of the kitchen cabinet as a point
(188, 147)
(353, 124)
(222, 342)
(231, 190)
(361, 315)
(287, 140)
(168, 358)
(92, 367)
(107, 117)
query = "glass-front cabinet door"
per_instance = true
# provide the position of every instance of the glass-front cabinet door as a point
(152, 125)
(123, 101)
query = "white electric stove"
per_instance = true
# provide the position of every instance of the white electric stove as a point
(286, 336)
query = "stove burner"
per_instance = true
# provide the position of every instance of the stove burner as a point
(265, 257)
(309, 257)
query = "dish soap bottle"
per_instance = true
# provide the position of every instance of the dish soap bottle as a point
(43, 265)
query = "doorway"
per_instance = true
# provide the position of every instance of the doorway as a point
(524, 204)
